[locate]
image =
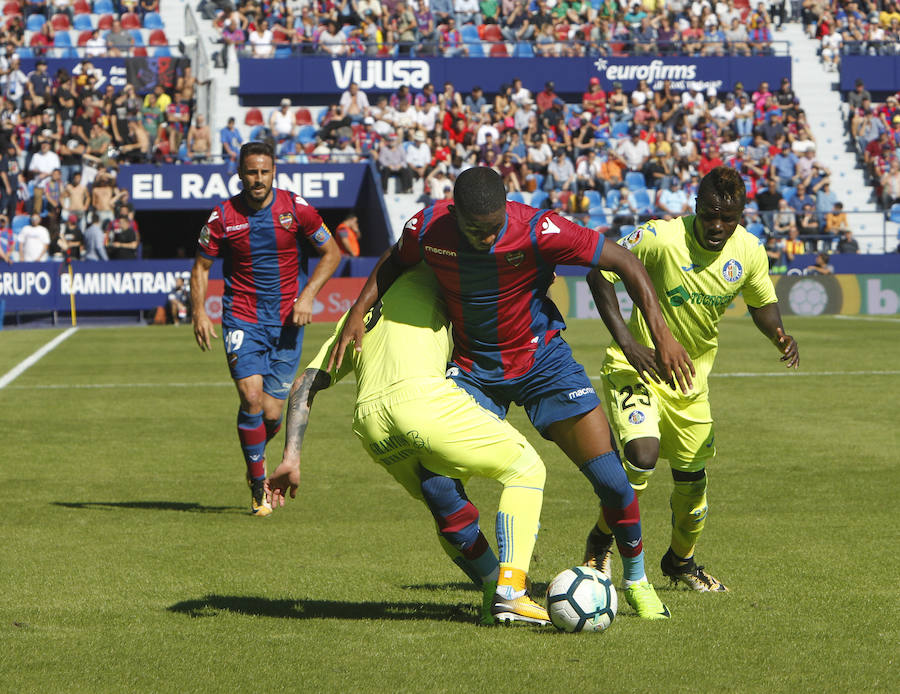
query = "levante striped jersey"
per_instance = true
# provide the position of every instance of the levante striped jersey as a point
(265, 254)
(497, 298)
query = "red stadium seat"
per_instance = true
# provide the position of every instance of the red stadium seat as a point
(139, 51)
(492, 33)
(280, 36)
(130, 21)
(105, 22)
(562, 32)
(303, 117)
(81, 7)
(499, 50)
(60, 22)
(84, 37)
(158, 38)
(12, 8)
(253, 118)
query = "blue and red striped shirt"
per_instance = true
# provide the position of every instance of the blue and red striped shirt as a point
(497, 299)
(265, 254)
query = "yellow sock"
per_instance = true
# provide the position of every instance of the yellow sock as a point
(512, 577)
(689, 507)
(519, 512)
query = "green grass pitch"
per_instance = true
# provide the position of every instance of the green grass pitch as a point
(129, 562)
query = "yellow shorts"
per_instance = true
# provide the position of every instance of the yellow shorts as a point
(638, 410)
(436, 424)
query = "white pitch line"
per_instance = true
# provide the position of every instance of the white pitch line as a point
(792, 374)
(30, 361)
(871, 320)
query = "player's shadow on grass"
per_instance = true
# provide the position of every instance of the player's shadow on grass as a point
(212, 605)
(538, 588)
(186, 506)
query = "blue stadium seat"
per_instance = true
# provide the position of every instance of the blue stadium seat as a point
(476, 50)
(538, 197)
(613, 199)
(104, 7)
(642, 201)
(524, 49)
(283, 51)
(515, 196)
(307, 134)
(746, 140)
(595, 199)
(758, 229)
(35, 22)
(635, 180)
(18, 222)
(620, 129)
(789, 193)
(894, 213)
(152, 20)
(83, 22)
(25, 51)
(137, 36)
(596, 222)
(258, 133)
(625, 229)
(469, 33)
(539, 181)
(598, 216)
(162, 52)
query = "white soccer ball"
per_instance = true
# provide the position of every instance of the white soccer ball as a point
(581, 599)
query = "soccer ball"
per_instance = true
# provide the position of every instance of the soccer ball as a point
(581, 599)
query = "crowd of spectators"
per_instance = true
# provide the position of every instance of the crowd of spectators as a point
(853, 28)
(547, 28)
(610, 155)
(63, 137)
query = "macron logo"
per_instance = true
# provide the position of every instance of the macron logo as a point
(578, 393)
(440, 251)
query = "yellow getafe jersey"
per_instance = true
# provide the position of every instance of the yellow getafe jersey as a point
(407, 337)
(694, 286)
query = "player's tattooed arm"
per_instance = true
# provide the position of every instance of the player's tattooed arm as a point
(641, 357)
(286, 477)
(768, 319)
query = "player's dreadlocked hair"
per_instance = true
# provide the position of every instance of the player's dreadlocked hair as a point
(248, 149)
(479, 191)
(725, 183)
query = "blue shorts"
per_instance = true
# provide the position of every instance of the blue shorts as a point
(271, 351)
(555, 388)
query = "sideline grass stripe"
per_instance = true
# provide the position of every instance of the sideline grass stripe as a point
(30, 361)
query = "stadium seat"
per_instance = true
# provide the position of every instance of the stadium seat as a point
(562, 32)
(138, 36)
(515, 196)
(635, 181)
(596, 222)
(492, 33)
(162, 52)
(499, 50)
(538, 197)
(758, 229)
(83, 22)
(35, 22)
(259, 132)
(18, 222)
(642, 201)
(307, 134)
(81, 7)
(539, 181)
(253, 117)
(469, 33)
(283, 50)
(104, 7)
(158, 38)
(613, 199)
(598, 216)
(104, 23)
(85, 36)
(620, 129)
(303, 117)
(894, 213)
(625, 229)
(130, 21)
(152, 20)
(789, 193)
(594, 198)
(60, 22)
(62, 41)
(524, 49)
(475, 48)
(139, 52)
(25, 52)
(12, 8)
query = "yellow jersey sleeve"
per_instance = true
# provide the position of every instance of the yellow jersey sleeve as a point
(758, 290)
